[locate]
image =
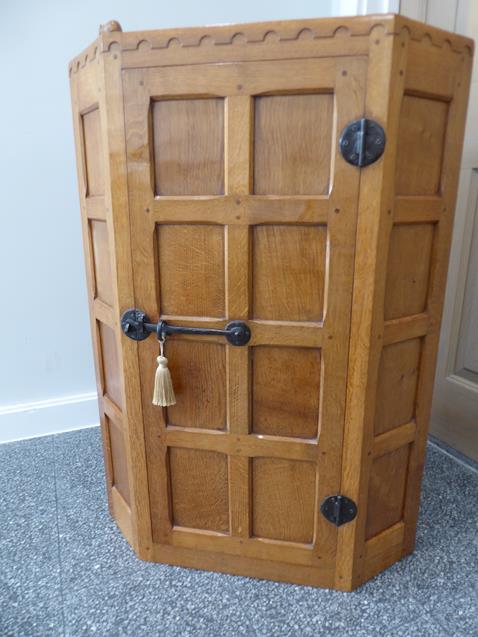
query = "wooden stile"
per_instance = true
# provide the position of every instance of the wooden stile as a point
(213, 188)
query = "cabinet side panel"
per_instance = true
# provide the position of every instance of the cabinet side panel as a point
(134, 520)
(414, 247)
(400, 299)
(98, 248)
(384, 89)
(432, 119)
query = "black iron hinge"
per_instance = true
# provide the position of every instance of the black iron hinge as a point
(362, 142)
(338, 509)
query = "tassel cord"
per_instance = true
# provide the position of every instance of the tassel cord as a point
(163, 395)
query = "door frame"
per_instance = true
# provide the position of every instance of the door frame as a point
(337, 209)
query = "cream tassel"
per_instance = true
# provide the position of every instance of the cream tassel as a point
(163, 395)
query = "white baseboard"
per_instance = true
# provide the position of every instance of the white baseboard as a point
(44, 417)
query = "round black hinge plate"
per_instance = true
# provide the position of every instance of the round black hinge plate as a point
(238, 333)
(362, 142)
(133, 322)
(338, 509)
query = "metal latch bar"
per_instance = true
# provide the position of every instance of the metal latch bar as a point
(136, 325)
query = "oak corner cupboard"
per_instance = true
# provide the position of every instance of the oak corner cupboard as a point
(276, 199)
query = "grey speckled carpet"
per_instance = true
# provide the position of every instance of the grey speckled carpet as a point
(65, 569)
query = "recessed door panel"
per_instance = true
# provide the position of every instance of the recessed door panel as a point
(283, 499)
(292, 144)
(292, 257)
(199, 489)
(276, 410)
(188, 139)
(201, 397)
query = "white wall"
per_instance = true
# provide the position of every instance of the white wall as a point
(46, 369)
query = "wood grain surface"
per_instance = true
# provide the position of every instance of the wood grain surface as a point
(212, 189)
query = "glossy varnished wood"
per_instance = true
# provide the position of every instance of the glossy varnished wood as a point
(212, 189)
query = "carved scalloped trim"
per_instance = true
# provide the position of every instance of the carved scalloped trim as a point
(440, 39)
(262, 34)
(86, 57)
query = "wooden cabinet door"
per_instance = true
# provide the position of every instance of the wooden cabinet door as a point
(242, 208)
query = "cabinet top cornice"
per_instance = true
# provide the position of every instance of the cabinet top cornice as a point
(111, 37)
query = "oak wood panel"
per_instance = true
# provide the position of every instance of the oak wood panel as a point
(259, 548)
(95, 207)
(118, 219)
(397, 385)
(458, 72)
(238, 257)
(107, 457)
(191, 269)
(408, 269)
(341, 234)
(249, 566)
(86, 99)
(121, 512)
(137, 526)
(388, 477)
(104, 313)
(188, 139)
(418, 209)
(262, 77)
(294, 258)
(110, 364)
(113, 412)
(283, 499)
(281, 39)
(238, 144)
(420, 145)
(405, 328)
(276, 410)
(296, 42)
(101, 261)
(84, 96)
(394, 438)
(385, 84)
(198, 372)
(238, 153)
(291, 333)
(241, 209)
(95, 179)
(240, 496)
(434, 69)
(243, 445)
(292, 144)
(383, 550)
(118, 459)
(199, 489)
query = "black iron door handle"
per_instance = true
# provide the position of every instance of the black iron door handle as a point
(137, 326)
